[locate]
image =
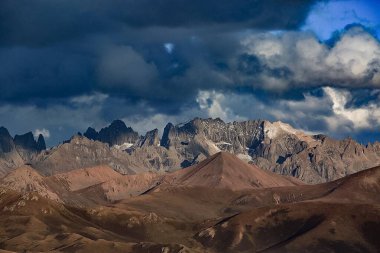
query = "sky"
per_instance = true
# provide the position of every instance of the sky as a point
(66, 65)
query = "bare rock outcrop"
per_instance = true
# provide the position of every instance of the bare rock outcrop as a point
(276, 146)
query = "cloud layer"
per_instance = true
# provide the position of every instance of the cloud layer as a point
(67, 64)
(294, 59)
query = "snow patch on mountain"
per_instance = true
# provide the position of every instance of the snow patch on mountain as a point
(124, 146)
(278, 129)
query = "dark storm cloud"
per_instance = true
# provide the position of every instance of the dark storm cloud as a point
(63, 48)
(269, 14)
(43, 21)
(32, 73)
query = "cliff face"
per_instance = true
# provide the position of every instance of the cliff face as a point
(150, 139)
(9, 157)
(28, 147)
(6, 141)
(16, 151)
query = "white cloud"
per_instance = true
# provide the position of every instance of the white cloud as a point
(210, 101)
(169, 47)
(365, 117)
(267, 48)
(354, 53)
(211, 104)
(332, 112)
(327, 113)
(89, 99)
(45, 133)
(353, 61)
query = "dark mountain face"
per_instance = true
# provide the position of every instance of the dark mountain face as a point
(91, 134)
(167, 135)
(6, 141)
(115, 134)
(41, 145)
(28, 143)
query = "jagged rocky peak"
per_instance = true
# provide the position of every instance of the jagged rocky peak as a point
(78, 140)
(151, 139)
(117, 133)
(41, 145)
(167, 135)
(26, 141)
(235, 137)
(6, 141)
(91, 133)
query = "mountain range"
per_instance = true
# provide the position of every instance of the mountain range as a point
(273, 146)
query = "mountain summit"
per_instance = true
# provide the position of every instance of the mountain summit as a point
(224, 170)
(117, 133)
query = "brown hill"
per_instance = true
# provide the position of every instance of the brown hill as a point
(303, 227)
(102, 183)
(82, 178)
(25, 179)
(123, 187)
(362, 187)
(340, 216)
(224, 170)
(220, 205)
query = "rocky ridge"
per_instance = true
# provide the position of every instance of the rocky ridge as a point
(274, 146)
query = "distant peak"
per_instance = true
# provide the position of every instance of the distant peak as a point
(6, 141)
(91, 129)
(224, 170)
(91, 133)
(118, 123)
(41, 145)
(4, 131)
(225, 154)
(228, 156)
(116, 133)
(27, 141)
